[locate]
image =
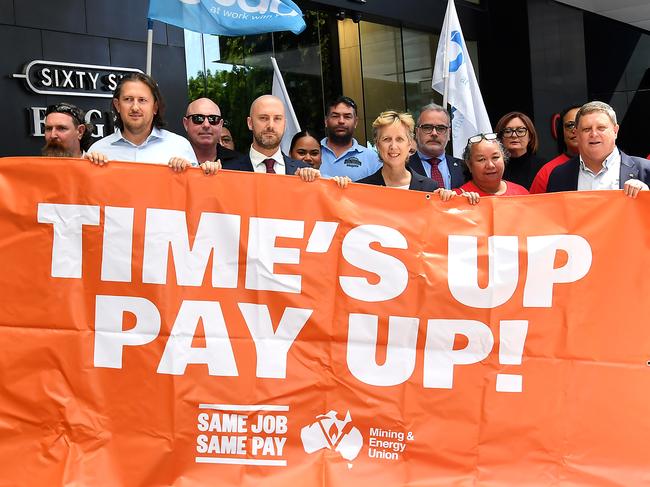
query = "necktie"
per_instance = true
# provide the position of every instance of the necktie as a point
(269, 163)
(436, 175)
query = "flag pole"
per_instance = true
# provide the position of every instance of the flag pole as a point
(445, 76)
(149, 46)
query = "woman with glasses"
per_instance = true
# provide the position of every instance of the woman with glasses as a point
(567, 143)
(486, 159)
(517, 134)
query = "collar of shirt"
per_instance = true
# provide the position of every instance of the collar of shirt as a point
(257, 158)
(355, 147)
(442, 157)
(612, 160)
(156, 133)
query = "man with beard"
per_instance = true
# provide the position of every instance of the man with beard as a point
(67, 134)
(203, 123)
(430, 160)
(266, 122)
(341, 153)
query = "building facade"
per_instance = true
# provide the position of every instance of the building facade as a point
(536, 56)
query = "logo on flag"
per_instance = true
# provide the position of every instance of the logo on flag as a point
(454, 78)
(229, 17)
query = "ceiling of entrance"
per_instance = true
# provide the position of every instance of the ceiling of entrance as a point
(633, 12)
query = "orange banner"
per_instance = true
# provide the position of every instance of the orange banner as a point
(241, 329)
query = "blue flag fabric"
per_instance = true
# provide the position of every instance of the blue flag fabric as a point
(229, 17)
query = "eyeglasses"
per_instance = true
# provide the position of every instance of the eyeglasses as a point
(516, 132)
(570, 125)
(73, 111)
(428, 128)
(198, 119)
(479, 137)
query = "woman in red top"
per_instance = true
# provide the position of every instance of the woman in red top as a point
(486, 160)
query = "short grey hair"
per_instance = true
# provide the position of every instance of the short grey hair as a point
(434, 107)
(596, 107)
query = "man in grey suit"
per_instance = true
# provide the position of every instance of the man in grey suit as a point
(431, 137)
(267, 123)
(600, 164)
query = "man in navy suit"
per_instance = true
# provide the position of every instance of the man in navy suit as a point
(600, 164)
(267, 123)
(431, 137)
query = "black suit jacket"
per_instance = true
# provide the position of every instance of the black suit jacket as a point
(455, 169)
(565, 176)
(244, 163)
(418, 182)
(225, 155)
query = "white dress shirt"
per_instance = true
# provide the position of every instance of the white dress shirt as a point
(257, 160)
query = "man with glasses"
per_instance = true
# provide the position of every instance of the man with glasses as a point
(203, 124)
(67, 134)
(431, 137)
(138, 108)
(600, 164)
(341, 154)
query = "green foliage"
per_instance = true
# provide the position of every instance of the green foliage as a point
(301, 58)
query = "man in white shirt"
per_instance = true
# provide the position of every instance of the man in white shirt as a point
(267, 123)
(138, 108)
(600, 164)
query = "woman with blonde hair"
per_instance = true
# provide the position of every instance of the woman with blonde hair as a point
(393, 136)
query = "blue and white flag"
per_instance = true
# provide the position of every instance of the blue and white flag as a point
(453, 75)
(229, 17)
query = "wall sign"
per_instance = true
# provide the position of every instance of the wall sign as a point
(69, 79)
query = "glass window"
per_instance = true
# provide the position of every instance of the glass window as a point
(382, 67)
(233, 71)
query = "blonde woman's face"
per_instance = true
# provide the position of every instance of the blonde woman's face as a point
(393, 144)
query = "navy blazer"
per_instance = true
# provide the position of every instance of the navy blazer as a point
(565, 176)
(455, 169)
(244, 163)
(418, 182)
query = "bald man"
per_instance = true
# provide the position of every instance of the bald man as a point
(203, 123)
(267, 122)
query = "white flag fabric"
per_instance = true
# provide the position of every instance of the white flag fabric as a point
(454, 66)
(279, 90)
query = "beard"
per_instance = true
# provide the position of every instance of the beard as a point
(267, 140)
(341, 138)
(55, 149)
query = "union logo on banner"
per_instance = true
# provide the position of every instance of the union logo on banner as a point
(330, 432)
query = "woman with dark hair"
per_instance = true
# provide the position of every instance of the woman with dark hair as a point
(305, 147)
(519, 137)
(567, 142)
(486, 159)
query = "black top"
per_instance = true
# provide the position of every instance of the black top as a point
(418, 182)
(522, 170)
(224, 154)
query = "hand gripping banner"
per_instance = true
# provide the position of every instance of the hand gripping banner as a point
(163, 329)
